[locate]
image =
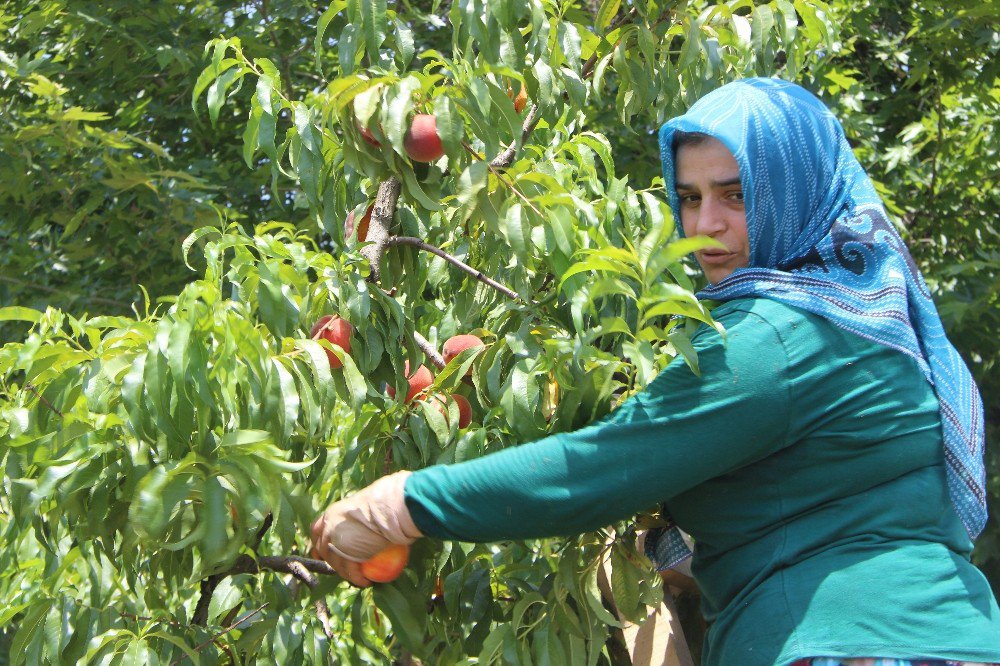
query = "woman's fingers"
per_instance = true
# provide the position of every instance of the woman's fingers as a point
(347, 569)
(318, 548)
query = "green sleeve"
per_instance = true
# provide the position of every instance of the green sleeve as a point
(680, 431)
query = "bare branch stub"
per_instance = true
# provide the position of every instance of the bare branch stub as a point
(265, 526)
(302, 573)
(506, 158)
(428, 349)
(283, 563)
(381, 221)
(322, 610)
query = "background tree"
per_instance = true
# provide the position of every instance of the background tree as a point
(163, 459)
(919, 90)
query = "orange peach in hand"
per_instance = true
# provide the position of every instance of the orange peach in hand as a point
(387, 564)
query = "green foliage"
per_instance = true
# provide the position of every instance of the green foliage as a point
(105, 167)
(152, 449)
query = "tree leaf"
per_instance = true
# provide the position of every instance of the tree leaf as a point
(403, 618)
(606, 14)
(18, 313)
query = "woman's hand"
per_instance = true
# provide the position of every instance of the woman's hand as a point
(362, 525)
(345, 568)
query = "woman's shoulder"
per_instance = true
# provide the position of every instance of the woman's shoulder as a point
(769, 309)
(806, 336)
(757, 317)
(812, 343)
(787, 321)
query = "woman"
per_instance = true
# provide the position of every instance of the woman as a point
(828, 461)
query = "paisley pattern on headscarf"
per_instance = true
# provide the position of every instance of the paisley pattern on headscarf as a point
(820, 240)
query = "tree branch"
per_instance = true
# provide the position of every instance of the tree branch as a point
(458, 263)
(208, 585)
(506, 158)
(322, 611)
(428, 349)
(207, 589)
(245, 564)
(378, 227)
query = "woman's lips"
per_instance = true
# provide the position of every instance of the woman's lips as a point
(716, 257)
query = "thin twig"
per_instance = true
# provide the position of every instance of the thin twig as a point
(146, 618)
(458, 263)
(231, 615)
(225, 631)
(506, 158)
(503, 180)
(41, 398)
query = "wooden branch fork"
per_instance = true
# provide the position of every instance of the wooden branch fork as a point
(386, 199)
(303, 568)
(380, 240)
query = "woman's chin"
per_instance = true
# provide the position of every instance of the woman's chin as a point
(717, 274)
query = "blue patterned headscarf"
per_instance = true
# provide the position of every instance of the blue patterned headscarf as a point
(820, 240)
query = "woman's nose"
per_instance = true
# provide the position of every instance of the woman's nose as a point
(711, 218)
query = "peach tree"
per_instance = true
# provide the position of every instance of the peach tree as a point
(161, 469)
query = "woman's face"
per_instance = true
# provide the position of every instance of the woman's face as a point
(711, 196)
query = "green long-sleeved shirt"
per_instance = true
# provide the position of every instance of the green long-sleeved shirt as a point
(808, 466)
